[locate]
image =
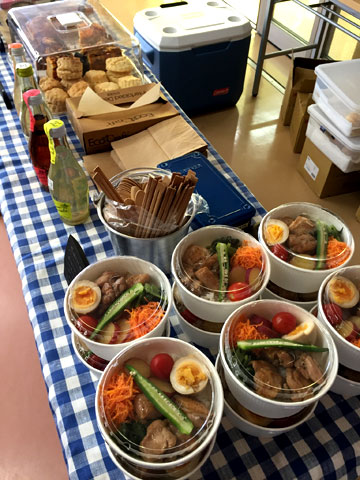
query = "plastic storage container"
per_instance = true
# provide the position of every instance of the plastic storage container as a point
(337, 94)
(343, 151)
(71, 29)
(198, 50)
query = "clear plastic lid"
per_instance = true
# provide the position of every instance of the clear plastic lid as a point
(304, 240)
(67, 26)
(226, 269)
(151, 202)
(141, 424)
(117, 306)
(340, 304)
(259, 349)
(88, 356)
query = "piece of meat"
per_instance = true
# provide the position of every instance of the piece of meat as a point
(189, 280)
(195, 255)
(299, 384)
(287, 220)
(194, 409)
(207, 278)
(212, 263)
(119, 286)
(139, 278)
(182, 437)
(304, 243)
(302, 225)
(309, 368)
(158, 438)
(268, 381)
(277, 357)
(106, 277)
(144, 409)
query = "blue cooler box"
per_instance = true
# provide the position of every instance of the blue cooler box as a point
(198, 50)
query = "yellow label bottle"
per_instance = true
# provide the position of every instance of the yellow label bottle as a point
(67, 181)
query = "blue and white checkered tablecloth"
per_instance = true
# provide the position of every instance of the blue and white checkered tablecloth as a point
(327, 446)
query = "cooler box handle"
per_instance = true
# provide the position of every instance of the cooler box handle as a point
(146, 50)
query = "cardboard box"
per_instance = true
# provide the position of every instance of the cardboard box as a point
(302, 79)
(97, 131)
(299, 121)
(323, 177)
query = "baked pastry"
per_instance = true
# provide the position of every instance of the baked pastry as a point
(93, 35)
(117, 66)
(69, 68)
(106, 87)
(95, 76)
(68, 83)
(97, 56)
(47, 83)
(78, 89)
(55, 98)
(128, 81)
(51, 65)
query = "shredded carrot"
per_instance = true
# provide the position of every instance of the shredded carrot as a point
(356, 342)
(143, 319)
(243, 330)
(247, 257)
(118, 397)
(337, 253)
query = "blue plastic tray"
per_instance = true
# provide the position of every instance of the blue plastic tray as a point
(226, 204)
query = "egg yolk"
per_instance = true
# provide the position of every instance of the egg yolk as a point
(189, 375)
(341, 290)
(84, 296)
(274, 233)
(300, 328)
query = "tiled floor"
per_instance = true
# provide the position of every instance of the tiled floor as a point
(252, 142)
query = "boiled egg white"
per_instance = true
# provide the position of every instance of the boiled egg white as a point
(275, 231)
(342, 291)
(85, 296)
(305, 332)
(189, 375)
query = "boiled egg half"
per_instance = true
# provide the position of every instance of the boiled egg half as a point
(342, 291)
(305, 332)
(189, 375)
(275, 231)
(85, 296)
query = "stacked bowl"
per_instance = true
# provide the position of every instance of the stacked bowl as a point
(339, 310)
(273, 380)
(216, 269)
(158, 406)
(305, 243)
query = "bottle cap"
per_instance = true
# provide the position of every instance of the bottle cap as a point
(34, 97)
(58, 132)
(13, 46)
(24, 69)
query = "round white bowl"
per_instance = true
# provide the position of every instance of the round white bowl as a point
(250, 428)
(249, 398)
(269, 295)
(197, 335)
(342, 385)
(146, 349)
(121, 264)
(349, 354)
(197, 463)
(209, 310)
(294, 278)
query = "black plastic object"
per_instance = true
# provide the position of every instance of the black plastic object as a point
(74, 260)
(226, 204)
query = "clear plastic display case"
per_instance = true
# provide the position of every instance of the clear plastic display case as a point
(66, 39)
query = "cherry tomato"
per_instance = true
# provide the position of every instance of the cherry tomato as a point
(161, 366)
(96, 362)
(333, 313)
(280, 251)
(238, 291)
(283, 322)
(86, 324)
(190, 317)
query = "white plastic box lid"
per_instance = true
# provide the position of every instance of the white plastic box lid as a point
(352, 143)
(343, 78)
(190, 24)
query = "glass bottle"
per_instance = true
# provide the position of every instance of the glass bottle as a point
(38, 142)
(67, 181)
(27, 82)
(17, 54)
